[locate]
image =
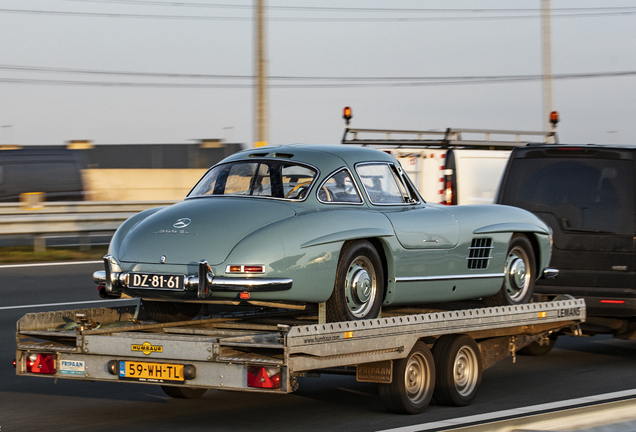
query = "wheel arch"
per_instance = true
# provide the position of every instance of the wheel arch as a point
(380, 247)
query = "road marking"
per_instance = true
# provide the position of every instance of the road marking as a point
(515, 412)
(49, 264)
(64, 304)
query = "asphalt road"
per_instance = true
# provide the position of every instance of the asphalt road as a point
(576, 368)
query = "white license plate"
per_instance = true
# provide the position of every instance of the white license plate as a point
(155, 281)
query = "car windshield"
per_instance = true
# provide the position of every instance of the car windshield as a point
(263, 178)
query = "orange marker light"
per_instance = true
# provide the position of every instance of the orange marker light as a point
(346, 114)
(554, 118)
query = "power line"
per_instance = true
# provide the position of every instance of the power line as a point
(379, 82)
(352, 9)
(583, 14)
(530, 77)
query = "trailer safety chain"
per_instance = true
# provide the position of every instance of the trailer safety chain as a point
(513, 348)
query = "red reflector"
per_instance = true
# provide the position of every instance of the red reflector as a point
(613, 301)
(259, 377)
(244, 295)
(41, 363)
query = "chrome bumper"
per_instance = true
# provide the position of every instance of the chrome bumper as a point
(113, 281)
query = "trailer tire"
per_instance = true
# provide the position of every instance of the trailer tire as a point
(458, 370)
(165, 312)
(184, 392)
(535, 349)
(359, 287)
(519, 274)
(413, 382)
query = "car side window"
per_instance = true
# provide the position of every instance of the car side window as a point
(382, 184)
(339, 188)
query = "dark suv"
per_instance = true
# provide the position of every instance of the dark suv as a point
(586, 194)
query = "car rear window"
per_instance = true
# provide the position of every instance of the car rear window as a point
(582, 193)
(263, 178)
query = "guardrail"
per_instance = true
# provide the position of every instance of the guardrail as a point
(66, 218)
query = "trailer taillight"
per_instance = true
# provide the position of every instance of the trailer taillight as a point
(613, 301)
(263, 377)
(42, 363)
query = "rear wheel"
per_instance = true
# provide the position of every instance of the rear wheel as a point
(164, 312)
(413, 382)
(184, 392)
(519, 274)
(458, 370)
(359, 286)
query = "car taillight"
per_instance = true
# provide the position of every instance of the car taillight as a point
(263, 377)
(41, 363)
(245, 269)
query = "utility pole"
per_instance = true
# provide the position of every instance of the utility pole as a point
(546, 39)
(261, 77)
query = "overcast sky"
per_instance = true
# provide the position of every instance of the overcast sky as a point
(147, 71)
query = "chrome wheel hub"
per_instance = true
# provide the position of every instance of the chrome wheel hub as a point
(361, 286)
(517, 277)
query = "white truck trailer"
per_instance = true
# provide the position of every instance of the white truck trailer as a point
(413, 353)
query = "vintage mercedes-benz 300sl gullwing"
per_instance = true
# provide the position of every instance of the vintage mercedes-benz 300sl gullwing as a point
(296, 225)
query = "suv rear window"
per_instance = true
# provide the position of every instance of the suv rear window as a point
(595, 195)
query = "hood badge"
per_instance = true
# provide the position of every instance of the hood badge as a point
(178, 227)
(182, 223)
(163, 259)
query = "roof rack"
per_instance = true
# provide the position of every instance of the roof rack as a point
(450, 138)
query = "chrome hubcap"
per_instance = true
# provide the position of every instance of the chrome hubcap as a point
(361, 286)
(517, 277)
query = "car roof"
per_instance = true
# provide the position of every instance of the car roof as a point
(321, 155)
(583, 146)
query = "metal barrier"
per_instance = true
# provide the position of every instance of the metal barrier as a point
(69, 218)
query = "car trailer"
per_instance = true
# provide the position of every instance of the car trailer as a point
(414, 354)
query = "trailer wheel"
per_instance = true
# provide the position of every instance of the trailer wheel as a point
(184, 392)
(413, 382)
(458, 370)
(359, 286)
(519, 274)
(164, 312)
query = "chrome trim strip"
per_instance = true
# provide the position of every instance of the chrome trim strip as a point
(550, 273)
(436, 278)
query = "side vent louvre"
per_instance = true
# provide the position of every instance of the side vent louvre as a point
(479, 253)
